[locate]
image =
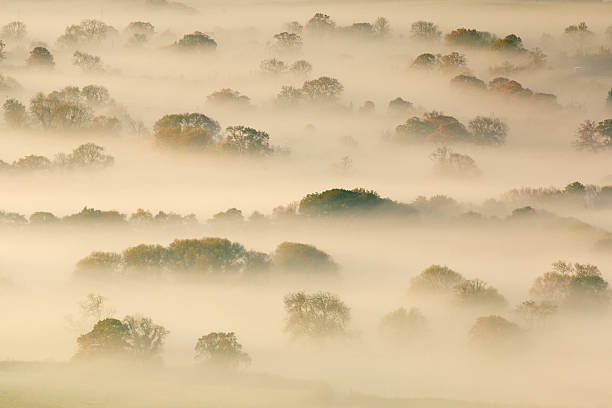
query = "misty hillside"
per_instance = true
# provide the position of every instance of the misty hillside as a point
(317, 203)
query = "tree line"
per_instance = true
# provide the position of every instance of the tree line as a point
(322, 316)
(86, 156)
(72, 109)
(214, 258)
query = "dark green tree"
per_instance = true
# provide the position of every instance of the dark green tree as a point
(107, 339)
(339, 201)
(40, 57)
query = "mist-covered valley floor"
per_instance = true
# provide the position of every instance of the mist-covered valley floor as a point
(305, 203)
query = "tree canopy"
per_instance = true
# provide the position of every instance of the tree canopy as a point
(571, 285)
(196, 42)
(135, 337)
(87, 32)
(495, 331)
(317, 315)
(320, 24)
(425, 30)
(221, 350)
(193, 131)
(469, 37)
(296, 257)
(41, 57)
(436, 279)
(436, 127)
(403, 325)
(348, 202)
(244, 140)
